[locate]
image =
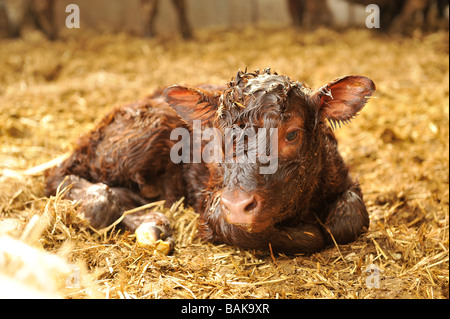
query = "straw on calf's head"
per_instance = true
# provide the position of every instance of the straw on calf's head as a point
(254, 96)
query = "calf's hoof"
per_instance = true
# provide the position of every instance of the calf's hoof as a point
(152, 230)
(155, 237)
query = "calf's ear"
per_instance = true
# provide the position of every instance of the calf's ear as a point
(193, 104)
(342, 99)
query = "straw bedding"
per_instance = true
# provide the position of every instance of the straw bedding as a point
(50, 93)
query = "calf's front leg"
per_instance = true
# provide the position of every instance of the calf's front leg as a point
(102, 205)
(348, 217)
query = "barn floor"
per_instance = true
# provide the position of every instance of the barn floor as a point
(398, 147)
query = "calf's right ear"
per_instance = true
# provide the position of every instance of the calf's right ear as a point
(193, 104)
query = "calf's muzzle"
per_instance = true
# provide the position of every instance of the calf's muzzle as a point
(244, 209)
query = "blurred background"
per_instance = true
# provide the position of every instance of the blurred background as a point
(146, 17)
(57, 82)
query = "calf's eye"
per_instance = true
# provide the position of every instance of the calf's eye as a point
(291, 136)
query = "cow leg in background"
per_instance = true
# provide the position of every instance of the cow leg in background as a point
(296, 10)
(185, 28)
(317, 14)
(43, 11)
(15, 13)
(407, 15)
(434, 15)
(149, 10)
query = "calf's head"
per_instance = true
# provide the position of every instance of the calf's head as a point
(289, 121)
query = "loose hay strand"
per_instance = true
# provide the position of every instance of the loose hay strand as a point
(104, 230)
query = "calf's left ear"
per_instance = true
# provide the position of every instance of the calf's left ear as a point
(341, 99)
(193, 104)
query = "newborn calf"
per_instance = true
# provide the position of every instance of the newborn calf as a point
(275, 179)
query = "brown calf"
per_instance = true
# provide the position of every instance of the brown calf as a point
(300, 204)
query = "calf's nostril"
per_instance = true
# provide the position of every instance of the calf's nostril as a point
(240, 203)
(251, 206)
